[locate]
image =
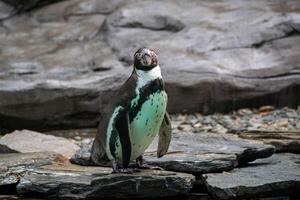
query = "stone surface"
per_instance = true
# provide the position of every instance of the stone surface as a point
(57, 62)
(278, 127)
(283, 141)
(14, 165)
(100, 183)
(278, 175)
(26, 141)
(196, 153)
(50, 175)
(207, 152)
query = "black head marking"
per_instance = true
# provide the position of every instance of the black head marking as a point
(145, 59)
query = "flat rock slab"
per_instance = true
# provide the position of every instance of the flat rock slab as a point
(278, 175)
(98, 183)
(14, 165)
(26, 141)
(197, 153)
(207, 152)
(57, 62)
(50, 175)
(284, 141)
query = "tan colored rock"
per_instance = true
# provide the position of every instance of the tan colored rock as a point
(26, 141)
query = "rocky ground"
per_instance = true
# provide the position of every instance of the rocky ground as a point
(220, 156)
(59, 58)
(215, 56)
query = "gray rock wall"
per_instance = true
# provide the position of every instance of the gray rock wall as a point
(56, 62)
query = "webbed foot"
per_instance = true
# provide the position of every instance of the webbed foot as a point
(124, 170)
(142, 165)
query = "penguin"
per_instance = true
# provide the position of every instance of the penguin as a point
(132, 116)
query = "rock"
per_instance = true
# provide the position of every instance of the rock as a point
(278, 175)
(83, 155)
(75, 182)
(57, 62)
(26, 141)
(196, 153)
(20, 5)
(207, 152)
(264, 109)
(14, 165)
(50, 175)
(205, 68)
(288, 141)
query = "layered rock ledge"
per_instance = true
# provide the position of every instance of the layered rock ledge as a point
(52, 176)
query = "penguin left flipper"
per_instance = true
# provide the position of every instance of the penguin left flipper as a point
(165, 134)
(122, 125)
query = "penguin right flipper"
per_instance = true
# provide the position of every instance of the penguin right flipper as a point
(165, 133)
(122, 126)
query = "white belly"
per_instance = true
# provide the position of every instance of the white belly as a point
(146, 124)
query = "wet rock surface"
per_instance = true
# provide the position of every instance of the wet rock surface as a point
(26, 141)
(63, 57)
(278, 175)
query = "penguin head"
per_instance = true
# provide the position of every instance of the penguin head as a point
(145, 59)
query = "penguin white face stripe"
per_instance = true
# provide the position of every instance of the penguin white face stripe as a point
(145, 77)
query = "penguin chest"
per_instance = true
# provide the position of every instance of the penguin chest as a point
(146, 123)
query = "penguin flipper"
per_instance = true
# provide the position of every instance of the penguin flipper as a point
(165, 134)
(122, 125)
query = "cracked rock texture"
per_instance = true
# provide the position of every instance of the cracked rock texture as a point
(215, 56)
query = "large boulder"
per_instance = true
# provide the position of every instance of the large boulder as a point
(57, 62)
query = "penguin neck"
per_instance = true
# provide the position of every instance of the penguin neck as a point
(145, 77)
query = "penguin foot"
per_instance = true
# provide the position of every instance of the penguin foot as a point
(146, 166)
(142, 165)
(119, 169)
(123, 171)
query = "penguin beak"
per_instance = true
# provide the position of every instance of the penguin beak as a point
(147, 60)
